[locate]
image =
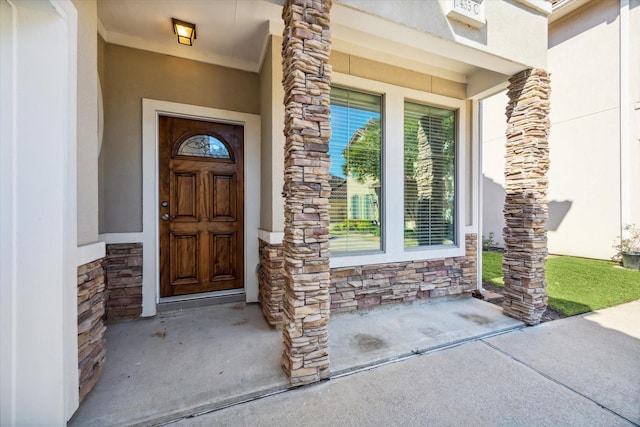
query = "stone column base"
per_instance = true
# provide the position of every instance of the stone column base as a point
(124, 281)
(271, 281)
(91, 328)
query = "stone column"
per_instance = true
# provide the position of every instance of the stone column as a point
(306, 80)
(525, 208)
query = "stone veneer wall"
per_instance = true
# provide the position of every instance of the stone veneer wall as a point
(124, 281)
(306, 81)
(525, 206)
(271, 281)
(91, 328)
(364, 286)
(353, 288)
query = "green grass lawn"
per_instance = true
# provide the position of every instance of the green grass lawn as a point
(576, 285)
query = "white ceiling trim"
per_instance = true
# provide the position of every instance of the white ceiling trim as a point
(274, 28)
(565, 7)
(543, 6)
(101, 30)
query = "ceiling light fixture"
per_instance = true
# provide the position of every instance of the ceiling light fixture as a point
(185, 31)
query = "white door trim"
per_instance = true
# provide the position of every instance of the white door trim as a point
(151, 109)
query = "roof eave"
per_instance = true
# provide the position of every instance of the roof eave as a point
(565, 7)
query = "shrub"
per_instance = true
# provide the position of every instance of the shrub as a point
(629, 242)
(488, 242)
(361, 226)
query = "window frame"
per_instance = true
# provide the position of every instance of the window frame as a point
(392, 209)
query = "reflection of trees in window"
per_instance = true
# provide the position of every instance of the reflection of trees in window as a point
(429, 172)
(338, 199)
(429, 149)
(355, 149)
(362, 164)
(362, 155)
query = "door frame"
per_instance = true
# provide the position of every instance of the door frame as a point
(151, 109)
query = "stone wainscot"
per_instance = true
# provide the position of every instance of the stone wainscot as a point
(363, 286)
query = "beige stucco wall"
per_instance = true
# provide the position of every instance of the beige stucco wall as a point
(633, 107)
(47, 150)
(585, 142)
(493, 126)
(513, 30)
(101, 74)
(266, 167)
(470, 169)
(87, 122)
(132, 74)
(585, 161)
(361, 67)
(272, 147)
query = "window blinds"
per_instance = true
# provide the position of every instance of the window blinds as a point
(429, 176)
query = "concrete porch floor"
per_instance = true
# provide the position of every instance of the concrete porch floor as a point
(200, 359)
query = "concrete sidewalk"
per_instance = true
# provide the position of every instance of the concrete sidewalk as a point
(581, 371)
(186, 362)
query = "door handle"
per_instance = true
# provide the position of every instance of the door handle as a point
(165, 217)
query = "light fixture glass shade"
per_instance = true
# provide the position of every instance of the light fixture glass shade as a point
(185, 31)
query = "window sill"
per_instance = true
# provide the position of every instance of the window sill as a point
(402, 256)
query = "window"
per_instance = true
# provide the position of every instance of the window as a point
(204, 146)
(356, 172)
(429, 176)
(398, 191)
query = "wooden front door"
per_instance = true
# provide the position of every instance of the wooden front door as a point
(201, 206)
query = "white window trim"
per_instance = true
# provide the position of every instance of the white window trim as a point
(392, 213)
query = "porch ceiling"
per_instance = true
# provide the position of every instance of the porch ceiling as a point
(229, 32)
(233, 33)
